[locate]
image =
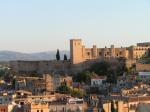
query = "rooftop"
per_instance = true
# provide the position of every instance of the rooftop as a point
(98, 77)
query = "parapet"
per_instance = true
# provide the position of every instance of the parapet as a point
(75, 39)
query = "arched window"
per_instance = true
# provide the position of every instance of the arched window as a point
(88, 53)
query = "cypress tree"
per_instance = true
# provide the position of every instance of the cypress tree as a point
(65, 57)
(57, 55)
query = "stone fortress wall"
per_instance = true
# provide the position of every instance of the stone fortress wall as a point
(80, 58)
(39, 67)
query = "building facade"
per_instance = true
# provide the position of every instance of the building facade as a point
(98, 81)
(79, 53)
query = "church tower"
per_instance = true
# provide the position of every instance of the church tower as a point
(76, 54)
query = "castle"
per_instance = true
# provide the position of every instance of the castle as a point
(80, 54)
(80, 58)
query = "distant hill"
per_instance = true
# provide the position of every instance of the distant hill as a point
(49, 55)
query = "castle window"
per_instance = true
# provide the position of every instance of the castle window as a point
(117, 54)
(107, 53)
(100, 53)
(120, 53)
(88, 53)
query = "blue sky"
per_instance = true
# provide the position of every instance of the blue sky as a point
(43, 25)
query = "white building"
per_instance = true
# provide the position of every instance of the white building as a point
(144, 76)
(98, 81)
(5, 98)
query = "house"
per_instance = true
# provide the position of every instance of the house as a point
(144, 76)
(36, 107)
(98, 81)
(59, 79)
(6, 98)
(6, 108)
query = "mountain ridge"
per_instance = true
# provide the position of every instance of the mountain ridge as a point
(6, 55)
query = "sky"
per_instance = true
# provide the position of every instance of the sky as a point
(44, 25)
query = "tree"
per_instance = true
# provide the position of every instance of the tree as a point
(100, 68)
(111, 69)
(13, 83)
(77, 93)
(149, 52)
(73, 92)
(116, 106)
(57, 55)
(84, 77)
(65, 57)
(113, 107)
(64, 89)
(112, 76)
(2, 73)
(103, 110)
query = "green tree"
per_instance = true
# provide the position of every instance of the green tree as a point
(57, 55)
(100, 68)
(112, 77)
(77, 93)
(84, 77)
(64, 89)
(65, 57)
(111, 69)
(2, 72)
(13, 83)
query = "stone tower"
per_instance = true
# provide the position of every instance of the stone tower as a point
(112, 51)
(76, 54)
(94, 51)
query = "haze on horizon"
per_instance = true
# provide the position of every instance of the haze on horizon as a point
(44, 25)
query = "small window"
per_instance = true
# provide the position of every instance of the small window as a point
(88, 53)
(107, 53)
(120, 53)
(100, 54)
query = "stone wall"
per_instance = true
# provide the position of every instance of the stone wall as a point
(39, 67)
(142, 67)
